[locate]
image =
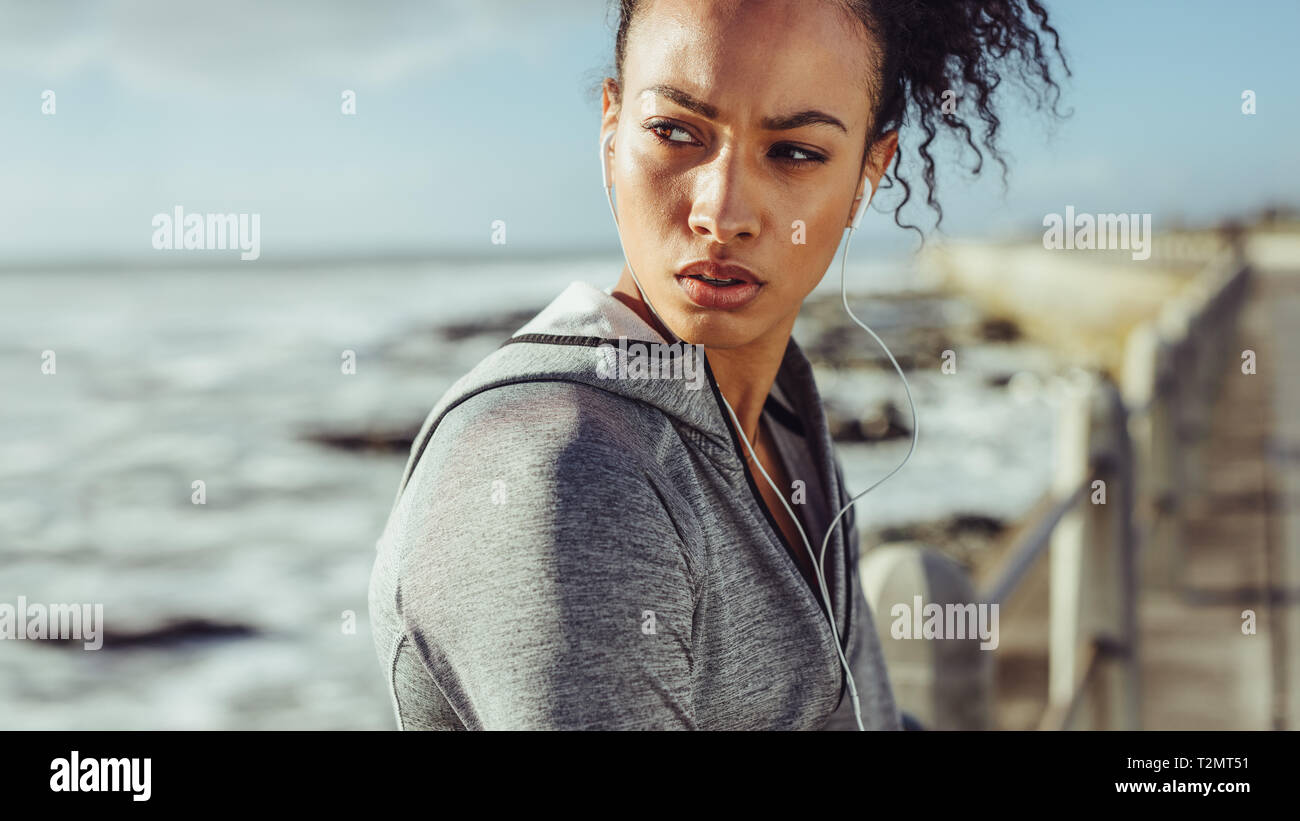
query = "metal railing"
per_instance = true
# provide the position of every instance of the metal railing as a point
(1128, 456)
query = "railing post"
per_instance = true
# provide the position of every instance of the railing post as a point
(1139, 386)
(1161, 555)
(946, 684)
(1115, 612)
(1068, 568)
(1199, 351)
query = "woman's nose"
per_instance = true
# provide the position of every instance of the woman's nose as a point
(723, 207)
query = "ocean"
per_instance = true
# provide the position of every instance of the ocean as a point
(235, 613)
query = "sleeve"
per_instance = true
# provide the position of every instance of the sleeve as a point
(547, 586)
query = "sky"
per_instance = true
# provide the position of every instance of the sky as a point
(470, 112)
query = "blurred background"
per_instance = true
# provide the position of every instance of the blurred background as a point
(376, 238)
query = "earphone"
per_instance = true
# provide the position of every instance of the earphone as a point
(606, 146)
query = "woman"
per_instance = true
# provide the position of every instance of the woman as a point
(581, 538)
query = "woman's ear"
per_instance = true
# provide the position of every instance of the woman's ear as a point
(878, 160)
(609, 106)
(861, 201)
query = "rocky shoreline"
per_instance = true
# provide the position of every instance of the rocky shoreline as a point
(918, 326)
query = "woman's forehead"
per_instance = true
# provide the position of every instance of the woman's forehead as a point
(751, 61)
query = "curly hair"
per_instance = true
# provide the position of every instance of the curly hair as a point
(934, 52)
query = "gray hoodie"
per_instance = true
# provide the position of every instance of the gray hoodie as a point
(576, 543)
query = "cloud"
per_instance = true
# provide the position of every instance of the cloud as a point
(250, 47)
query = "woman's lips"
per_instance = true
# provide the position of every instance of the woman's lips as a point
(719, 270)
(722, 297)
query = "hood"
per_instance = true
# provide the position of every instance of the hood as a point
(587, 335)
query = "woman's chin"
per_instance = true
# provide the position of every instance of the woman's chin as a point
(714, 329)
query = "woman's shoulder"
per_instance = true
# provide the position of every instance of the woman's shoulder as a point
(554, 443)
(546, 417)
(538, 460)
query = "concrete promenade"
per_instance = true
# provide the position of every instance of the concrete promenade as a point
(1241, 546)
(1240, 552)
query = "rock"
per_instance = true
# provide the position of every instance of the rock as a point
(916, 327)
(167, 635)
(963, 537)
(884, 421)
(380, 441)
(503, 324)
(999, 329)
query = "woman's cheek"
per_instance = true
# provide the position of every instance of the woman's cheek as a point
(805, 243)
(655, 206)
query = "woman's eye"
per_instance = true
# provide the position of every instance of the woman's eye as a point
(800, 155)
(663, 132)
(657, 128)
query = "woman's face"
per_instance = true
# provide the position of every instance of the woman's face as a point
(711, 162)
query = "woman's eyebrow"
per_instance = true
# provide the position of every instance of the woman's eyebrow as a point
(800, 119)
(784, 122)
